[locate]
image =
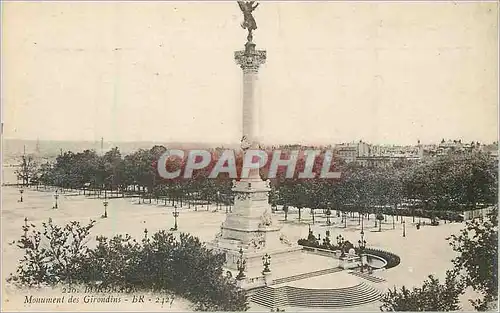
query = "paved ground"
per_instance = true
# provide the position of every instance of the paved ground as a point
(422, 252)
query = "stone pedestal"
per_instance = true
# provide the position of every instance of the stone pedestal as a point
(268, 278)
(250, 226)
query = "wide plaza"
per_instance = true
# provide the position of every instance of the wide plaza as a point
(422, 251)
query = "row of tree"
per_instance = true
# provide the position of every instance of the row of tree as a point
(449, 183)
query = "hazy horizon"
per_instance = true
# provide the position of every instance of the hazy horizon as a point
(34, 141)
(165, 72)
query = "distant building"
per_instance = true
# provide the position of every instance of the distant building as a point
(477, 213)
(374, 161)
(347, 152)
(368, 155)
(448, 147)
(491, 149)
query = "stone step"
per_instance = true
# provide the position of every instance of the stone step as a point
(318, 303)
(288, 279)
(287, 296)
(368, 277)
(353, 299)
(344, 295)
(264, 297)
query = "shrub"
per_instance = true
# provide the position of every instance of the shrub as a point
(53, 256)
(431, 296)
(392, 259)
(160, 263)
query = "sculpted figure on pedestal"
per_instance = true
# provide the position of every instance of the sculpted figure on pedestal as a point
(258, 241)
(243, 196)
(245, 144)
(266, 219)
(284, 240)
(219, 234)
(247, 7)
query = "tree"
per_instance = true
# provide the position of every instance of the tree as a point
(453, 182)
(84, 168)
(54, 254)
(45, 174)
(27, 169)
(111, 163)
(380, 218)
(328, 213)
(285, 209)
(477, 245)
(159, 263)
(432, 296)
(273, 198)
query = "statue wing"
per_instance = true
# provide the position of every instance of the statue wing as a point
(242, 5)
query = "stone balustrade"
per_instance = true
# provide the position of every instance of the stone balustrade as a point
(252, 282)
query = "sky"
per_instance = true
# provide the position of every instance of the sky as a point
(335, 72)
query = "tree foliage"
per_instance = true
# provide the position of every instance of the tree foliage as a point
(477, 245)
(441, 186)
(431, 296)
(159, 263)
(475, 266)
(27, 170)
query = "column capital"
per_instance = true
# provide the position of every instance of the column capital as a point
(250, 59)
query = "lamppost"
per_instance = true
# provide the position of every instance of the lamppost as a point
(241, 266)
(56, 196)
(25, 228)
(175, 214)
(362, 222)
(362, 245)
(227, 204)
(266, 261)
(105, 209)
(218, 200)
(340, 243)
(404, 228)
(21, 191)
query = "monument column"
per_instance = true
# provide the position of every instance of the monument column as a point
(250, 60)
(249, 227)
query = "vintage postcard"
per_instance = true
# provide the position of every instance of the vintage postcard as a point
(249, 156)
